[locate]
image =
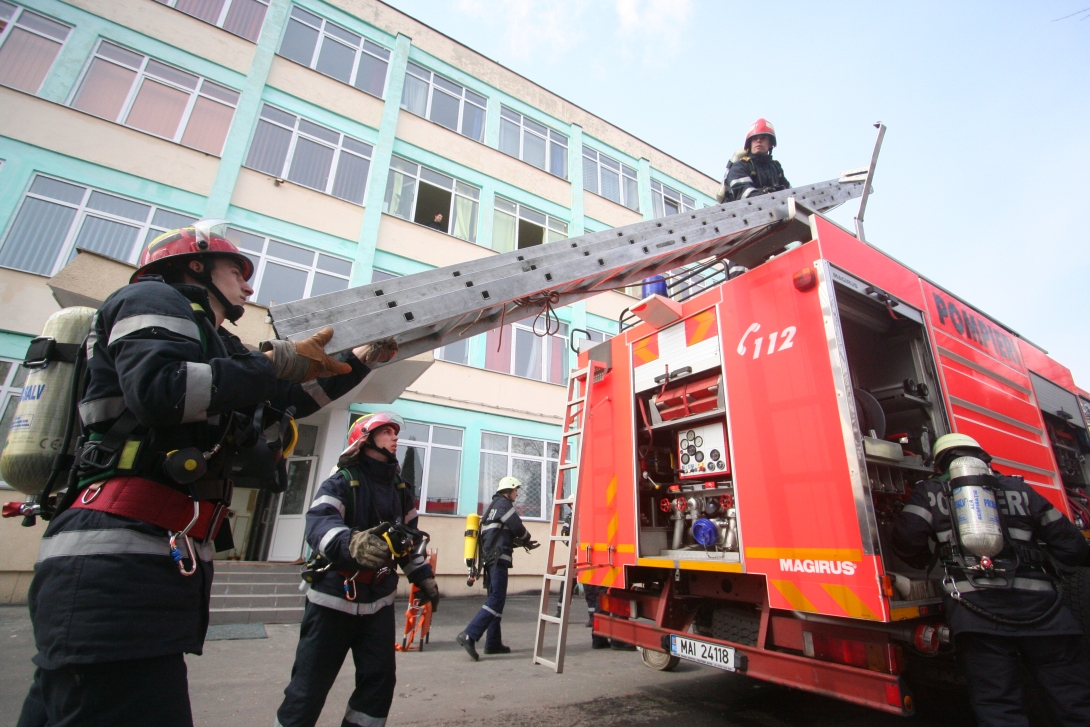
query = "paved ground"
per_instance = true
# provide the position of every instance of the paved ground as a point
(240, 683)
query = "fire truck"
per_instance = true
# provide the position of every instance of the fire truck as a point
(747, 449)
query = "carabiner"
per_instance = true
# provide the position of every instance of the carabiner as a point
(176, 553)
(350, 587)
(94, 488)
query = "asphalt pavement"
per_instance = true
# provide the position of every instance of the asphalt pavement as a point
(238, 683)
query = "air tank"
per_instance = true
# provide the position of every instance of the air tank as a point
(37, 430)
(976, 514)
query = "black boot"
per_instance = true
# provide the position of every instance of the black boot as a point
(501, 649)
(599, 642)
(467, 644)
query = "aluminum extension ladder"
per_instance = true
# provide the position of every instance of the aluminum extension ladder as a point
(427, 310)
(561, 567)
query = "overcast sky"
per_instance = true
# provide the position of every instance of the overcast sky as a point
(984, 176)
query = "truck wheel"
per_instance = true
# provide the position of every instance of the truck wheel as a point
(1077, 598)
(738, 623)
(659, 660)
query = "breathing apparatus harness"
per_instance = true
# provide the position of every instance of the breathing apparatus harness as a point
(974, 550)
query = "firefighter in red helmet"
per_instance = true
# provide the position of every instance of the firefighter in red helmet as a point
(353, 580)
(752, 170)
(175, 409)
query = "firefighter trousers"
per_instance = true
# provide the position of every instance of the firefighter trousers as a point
(491, 613)
(993, 666)
(325, 636)
(151, 692)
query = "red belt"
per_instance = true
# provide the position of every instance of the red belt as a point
(151, 502)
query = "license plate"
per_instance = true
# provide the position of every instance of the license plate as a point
(721, 657)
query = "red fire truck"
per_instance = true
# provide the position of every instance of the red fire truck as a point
(747, 450)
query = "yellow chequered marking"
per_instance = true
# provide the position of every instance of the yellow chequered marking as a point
(691, 565)
(611, 531)
(611, 492)
(794, 596)
(806, 553)
(611, 576)
(847, 600)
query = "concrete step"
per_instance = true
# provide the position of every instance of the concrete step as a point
(251, 592)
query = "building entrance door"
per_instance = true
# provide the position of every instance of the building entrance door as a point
(288, 530)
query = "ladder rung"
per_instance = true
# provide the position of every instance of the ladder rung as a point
(580, 373)
(564, 500)
(577, 400)
(569, 465)
(560, 537)
(550, 619)
(546, 662)
(556, 576)
(573, 432)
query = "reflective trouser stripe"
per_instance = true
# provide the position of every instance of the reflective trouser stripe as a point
(1024, 584)
(115, 541)
(356, 609)
(351, 716)
(497, 615)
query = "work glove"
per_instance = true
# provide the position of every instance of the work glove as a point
(306, 360)
(369, 549)
(531, 545)
(431, 592)
(378, 352)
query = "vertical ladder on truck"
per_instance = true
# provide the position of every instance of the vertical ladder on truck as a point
(560, 567)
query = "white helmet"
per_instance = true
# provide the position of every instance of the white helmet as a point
(508, 483)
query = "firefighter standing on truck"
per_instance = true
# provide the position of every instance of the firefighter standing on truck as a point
(351, 603)
(121, 587)
(501, 530)
(752, 170)
(1002, 603)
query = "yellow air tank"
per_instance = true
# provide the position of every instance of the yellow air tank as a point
(473, 531)
(37, 429)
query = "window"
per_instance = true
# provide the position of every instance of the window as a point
(444, 102)
(431, 460)
(131, 89)
(609, 178)
(283, 272)
(240, 17)
(29, 43)
(517, 349)
(377, 276)
(12, 377)
(457, 352)
(667, 201)
(531, 142)
(338, 53)
(420, 195)
(295, 149)
(55, 218)
(595, 336)
(516, 226)
(532, 461)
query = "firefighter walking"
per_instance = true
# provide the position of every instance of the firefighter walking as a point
(1002, 602)
(356, 524)
(501, 531)
(174, 407)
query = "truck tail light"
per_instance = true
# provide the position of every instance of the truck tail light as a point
(885, 658)
(887, 586)
(619, 606)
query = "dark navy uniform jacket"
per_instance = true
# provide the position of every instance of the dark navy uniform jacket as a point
(501, 530)
(1029, 519)
(105, 587)
(754, 174)
(377, 495)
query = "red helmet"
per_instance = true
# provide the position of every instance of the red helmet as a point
(370, 422)
(201, 239)
(760, 126)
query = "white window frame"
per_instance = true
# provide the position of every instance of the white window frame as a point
(323, 26)
(511, 329)
(338, 150)
(468, 96)
(548, 481)
(555, 229)
(11, 388)
(262, 257)
(142, 74)
(526, 125)
(598, 160)
(457, 188)
(224, 11)
(661, 192)
(83, 211)
(13, 21)
(428, 447)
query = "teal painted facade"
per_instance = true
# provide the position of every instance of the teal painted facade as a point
(22, 161)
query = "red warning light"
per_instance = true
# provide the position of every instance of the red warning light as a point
(804, 279)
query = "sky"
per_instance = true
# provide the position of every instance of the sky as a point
(984, 177)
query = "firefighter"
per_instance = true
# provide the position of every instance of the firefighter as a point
(121, 587)
(350, 604)
(501, 531)
(752, 170)
(1003, 609)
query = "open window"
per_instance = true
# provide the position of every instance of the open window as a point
(516, 226)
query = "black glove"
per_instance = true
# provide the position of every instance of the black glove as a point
(431, 592)
(531, 544)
